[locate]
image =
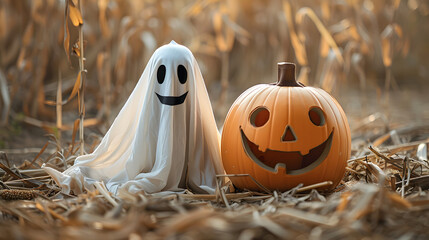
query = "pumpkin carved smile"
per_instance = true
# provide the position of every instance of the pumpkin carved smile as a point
(294, 162)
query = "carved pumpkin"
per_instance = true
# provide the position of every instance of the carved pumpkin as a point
(285, 134)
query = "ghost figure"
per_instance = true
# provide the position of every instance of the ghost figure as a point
(164, 138)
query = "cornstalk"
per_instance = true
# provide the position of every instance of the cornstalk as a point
(59, 108)
(224, 78)
(82, 84)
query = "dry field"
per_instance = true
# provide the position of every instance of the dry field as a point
(57, 99)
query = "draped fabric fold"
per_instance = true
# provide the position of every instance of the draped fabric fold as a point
(164, 138)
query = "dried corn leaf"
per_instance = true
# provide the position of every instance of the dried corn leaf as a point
(102, 6)
(224, 34)
(307, 217)
(344, 201)
(326, 11)
(183, 222)
(328, 76)
(66, 33)
(103, 190)
(38, 155)
(298, 46)
(324, 48)
(236, 28)
(303, 75)
(376, 173)
(305, 11)
(4, 28)
(405, 50)
(386, 37)
(75, 128)
(76, 87)
(28, 35)
(272, 226)
(396, 4)
(59, 107)
(75, 16)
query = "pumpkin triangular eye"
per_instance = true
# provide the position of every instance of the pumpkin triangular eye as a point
(160, 75)
(316, 116)
(182, 74)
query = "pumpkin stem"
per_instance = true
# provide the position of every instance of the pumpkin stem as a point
(286, 75)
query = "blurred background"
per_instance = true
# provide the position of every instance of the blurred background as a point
(372, 55)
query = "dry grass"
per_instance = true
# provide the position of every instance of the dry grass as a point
(384, 194)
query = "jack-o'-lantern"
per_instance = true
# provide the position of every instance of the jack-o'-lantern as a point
(285, 134)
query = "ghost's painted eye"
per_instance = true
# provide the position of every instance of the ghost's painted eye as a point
(160, 75)
(182, 74)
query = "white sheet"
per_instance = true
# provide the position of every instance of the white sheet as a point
(151, 146)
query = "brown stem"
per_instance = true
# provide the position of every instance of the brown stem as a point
(59, 108)
(286, 75)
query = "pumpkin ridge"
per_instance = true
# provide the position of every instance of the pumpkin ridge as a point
(333, 109)
(316, 93)
(248, 108)
(313, 94)
(264, 95)
(275, 107)
(271, 128)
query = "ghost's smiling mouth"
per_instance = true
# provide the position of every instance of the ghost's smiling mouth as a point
(294, 162)
(170, 100)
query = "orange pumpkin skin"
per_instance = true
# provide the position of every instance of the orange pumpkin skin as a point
(285, 135)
